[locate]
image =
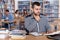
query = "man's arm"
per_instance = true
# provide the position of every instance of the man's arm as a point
(48, 27)
(28, 25)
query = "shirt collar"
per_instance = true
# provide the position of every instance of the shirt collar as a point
(32, 17)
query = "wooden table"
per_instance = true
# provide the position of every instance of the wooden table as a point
(30, 37)
(9, 23)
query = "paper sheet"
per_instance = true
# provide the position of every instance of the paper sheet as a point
(54, 33)
(35, 34)
(2, 36)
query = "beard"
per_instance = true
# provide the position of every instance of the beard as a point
(37, 14)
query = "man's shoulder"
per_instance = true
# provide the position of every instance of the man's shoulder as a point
(29, 16)
(42, 16)
(10, 14)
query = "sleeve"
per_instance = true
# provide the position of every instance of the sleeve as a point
(3, 17)
(29, 25)
(11, 18)
(26, 24)
(48, 27)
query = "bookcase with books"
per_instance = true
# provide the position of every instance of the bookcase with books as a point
(7, 4)
(51, 8)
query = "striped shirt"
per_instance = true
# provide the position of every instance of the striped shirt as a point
(33, 26)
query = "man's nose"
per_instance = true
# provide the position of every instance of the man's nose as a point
(38, 10)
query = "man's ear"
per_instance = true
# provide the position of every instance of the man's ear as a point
(31, 8)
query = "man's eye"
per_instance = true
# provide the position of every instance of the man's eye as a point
(36, 9)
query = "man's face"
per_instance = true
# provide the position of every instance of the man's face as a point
(36, 10)
(6, 13)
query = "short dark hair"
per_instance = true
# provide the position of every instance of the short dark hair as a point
(35, 3)
(16, 11)
(7, 10)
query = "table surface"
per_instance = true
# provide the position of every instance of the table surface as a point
(30, 37)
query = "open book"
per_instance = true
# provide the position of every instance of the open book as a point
(3, 36)
(54, 33)
(35, 34)
(38, 34)
(4, 31)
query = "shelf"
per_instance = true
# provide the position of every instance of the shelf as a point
(50, 7)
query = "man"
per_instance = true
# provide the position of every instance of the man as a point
(36, 22)
(8, 17)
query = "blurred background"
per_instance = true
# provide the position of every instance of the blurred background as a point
(50, 8)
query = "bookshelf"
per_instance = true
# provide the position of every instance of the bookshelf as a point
(51, 8)
(7, 4)
(23, 5)
(1, 6)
